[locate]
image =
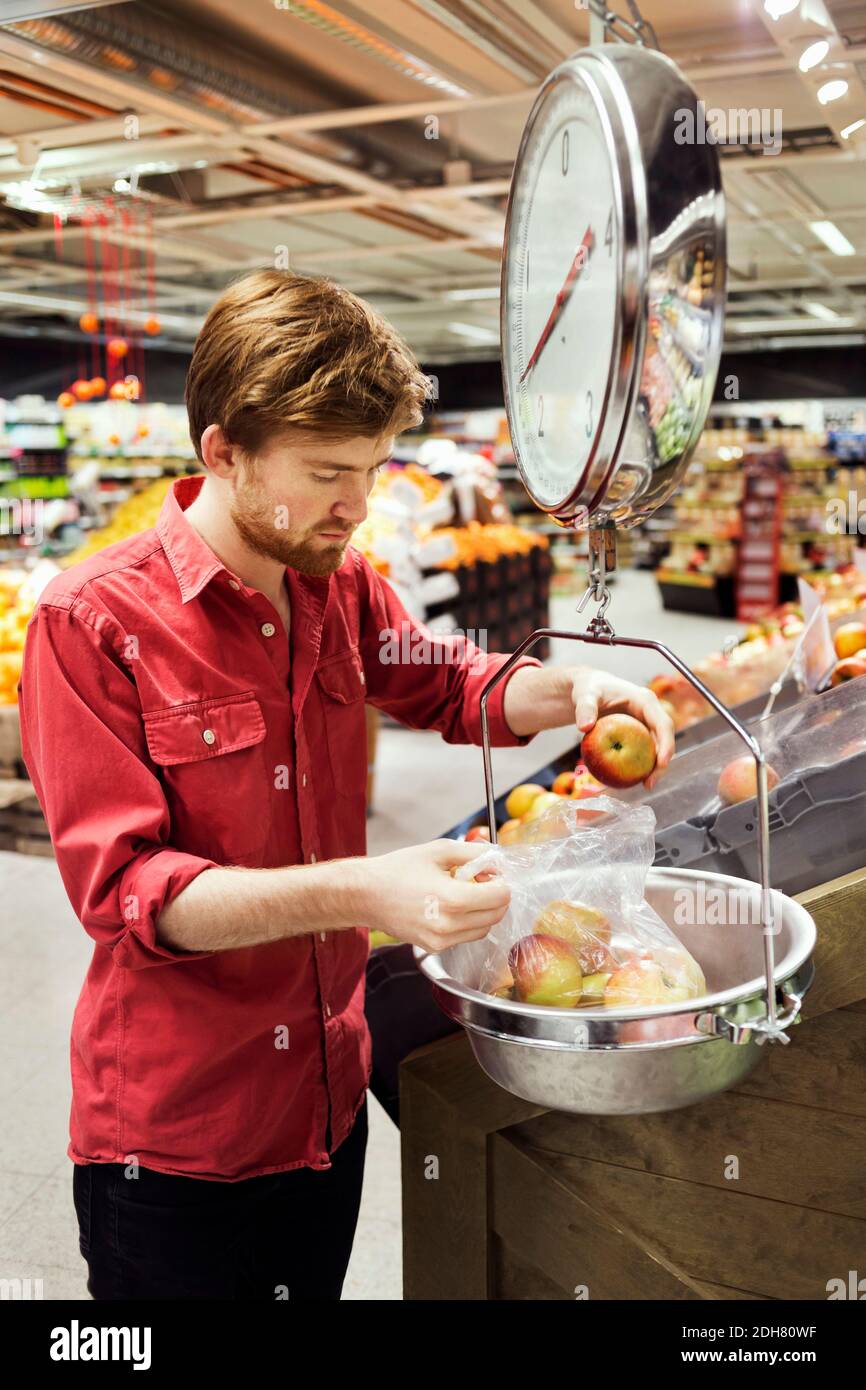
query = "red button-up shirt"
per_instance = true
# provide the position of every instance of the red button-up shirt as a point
(170, 726)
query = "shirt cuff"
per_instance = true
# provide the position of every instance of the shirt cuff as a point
(147, 887)
(501, 735)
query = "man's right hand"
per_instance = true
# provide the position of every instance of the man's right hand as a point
(411, 895)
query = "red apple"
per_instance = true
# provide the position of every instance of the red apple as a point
(508, 832)
(563, 785)
(546, 971)
(585, 929)
(738, 781)
(645, 982)
(478, 832)
(619, 750)
(849, 638)
(520, 798)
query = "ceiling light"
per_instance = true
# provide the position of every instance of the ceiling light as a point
(770, 325)
(849, 129)
(122, 185)
(832, 91)
(814, 54)
(832, 238)
(821, 311)
(776, 8)
(471, 330)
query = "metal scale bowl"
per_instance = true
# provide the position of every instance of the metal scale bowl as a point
(627, 1061)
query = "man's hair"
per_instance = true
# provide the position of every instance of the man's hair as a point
(281, 353)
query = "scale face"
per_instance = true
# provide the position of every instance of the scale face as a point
(612, 288)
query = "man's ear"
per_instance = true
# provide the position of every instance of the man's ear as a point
(220, 457)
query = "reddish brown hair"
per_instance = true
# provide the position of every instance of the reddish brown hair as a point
(280, 353)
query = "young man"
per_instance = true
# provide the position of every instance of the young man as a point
(192, 711)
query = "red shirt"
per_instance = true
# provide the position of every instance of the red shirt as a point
(170, 726)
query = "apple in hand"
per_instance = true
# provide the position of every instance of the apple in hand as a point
(849, 638)
(546, 971)
(738, 780)
(520, 798)
(619, 750)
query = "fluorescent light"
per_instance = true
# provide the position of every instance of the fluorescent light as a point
(482, 292)
(821, 311)
(471, 330)
(849, 129)
(832, 91)
(832, 238)
(769, 325)
(814, 54)
(776, 8)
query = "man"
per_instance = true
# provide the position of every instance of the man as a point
(192, 709)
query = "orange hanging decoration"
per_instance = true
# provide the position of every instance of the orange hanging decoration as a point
(117, 391)
(97, 386)
(82, 389)
(65, 400)
(152, 325)
(117, 348)
(88, 323)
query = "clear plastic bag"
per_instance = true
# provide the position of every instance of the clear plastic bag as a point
(578, 932)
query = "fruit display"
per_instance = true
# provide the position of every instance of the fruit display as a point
(528, 802)
(738, 780)
(137, 513)
(17, 601)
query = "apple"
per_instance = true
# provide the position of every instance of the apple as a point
(680, 970)
(848, 669)
(849, 638)
(546, 971)
(585, 929)
(619, 750)
(641, 982)
(738, 780)
(563, 785)
(520, 798)
(478, 832)
(541, 804)
(594, 987)
(508, 832)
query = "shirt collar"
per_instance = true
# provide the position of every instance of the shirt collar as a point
(193, 562)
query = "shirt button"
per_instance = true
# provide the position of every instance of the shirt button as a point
(304, 780)
(323, 935)
(363, 678)
(209, 736)
(233, 584)
(268, 629)
(327, 1011)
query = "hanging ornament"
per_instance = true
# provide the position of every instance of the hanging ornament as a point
(114, 439)
(89, 323)
(82, 389)
(152, 325)
(65, 400)
(97, 386)
(117, 391)
(117, 348)
(143, 431)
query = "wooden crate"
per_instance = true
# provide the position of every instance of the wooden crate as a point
(504, 1200)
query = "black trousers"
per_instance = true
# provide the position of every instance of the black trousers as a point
(160, 1236)
(402, 1015)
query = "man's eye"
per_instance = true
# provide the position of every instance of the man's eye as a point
(326, 477)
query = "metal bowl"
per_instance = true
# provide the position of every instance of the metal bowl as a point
(634, 1061)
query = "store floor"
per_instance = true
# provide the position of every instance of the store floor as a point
(422, 788)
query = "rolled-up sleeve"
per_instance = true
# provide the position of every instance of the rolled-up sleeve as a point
(424, 679)
(84, 748)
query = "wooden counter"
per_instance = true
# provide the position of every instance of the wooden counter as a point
(759, 1192)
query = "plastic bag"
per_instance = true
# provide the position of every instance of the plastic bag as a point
(578, 932)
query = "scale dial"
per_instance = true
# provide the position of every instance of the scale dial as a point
(561, 276)
(613, 272)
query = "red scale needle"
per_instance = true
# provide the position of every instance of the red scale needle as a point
(580, 259)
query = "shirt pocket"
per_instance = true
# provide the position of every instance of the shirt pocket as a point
(342, 690)
(211, 756)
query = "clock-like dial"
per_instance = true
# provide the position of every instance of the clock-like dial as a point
(561, 278)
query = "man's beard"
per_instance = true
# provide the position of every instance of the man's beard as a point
(255, 525)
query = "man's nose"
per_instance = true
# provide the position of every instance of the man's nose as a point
(352, 505)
